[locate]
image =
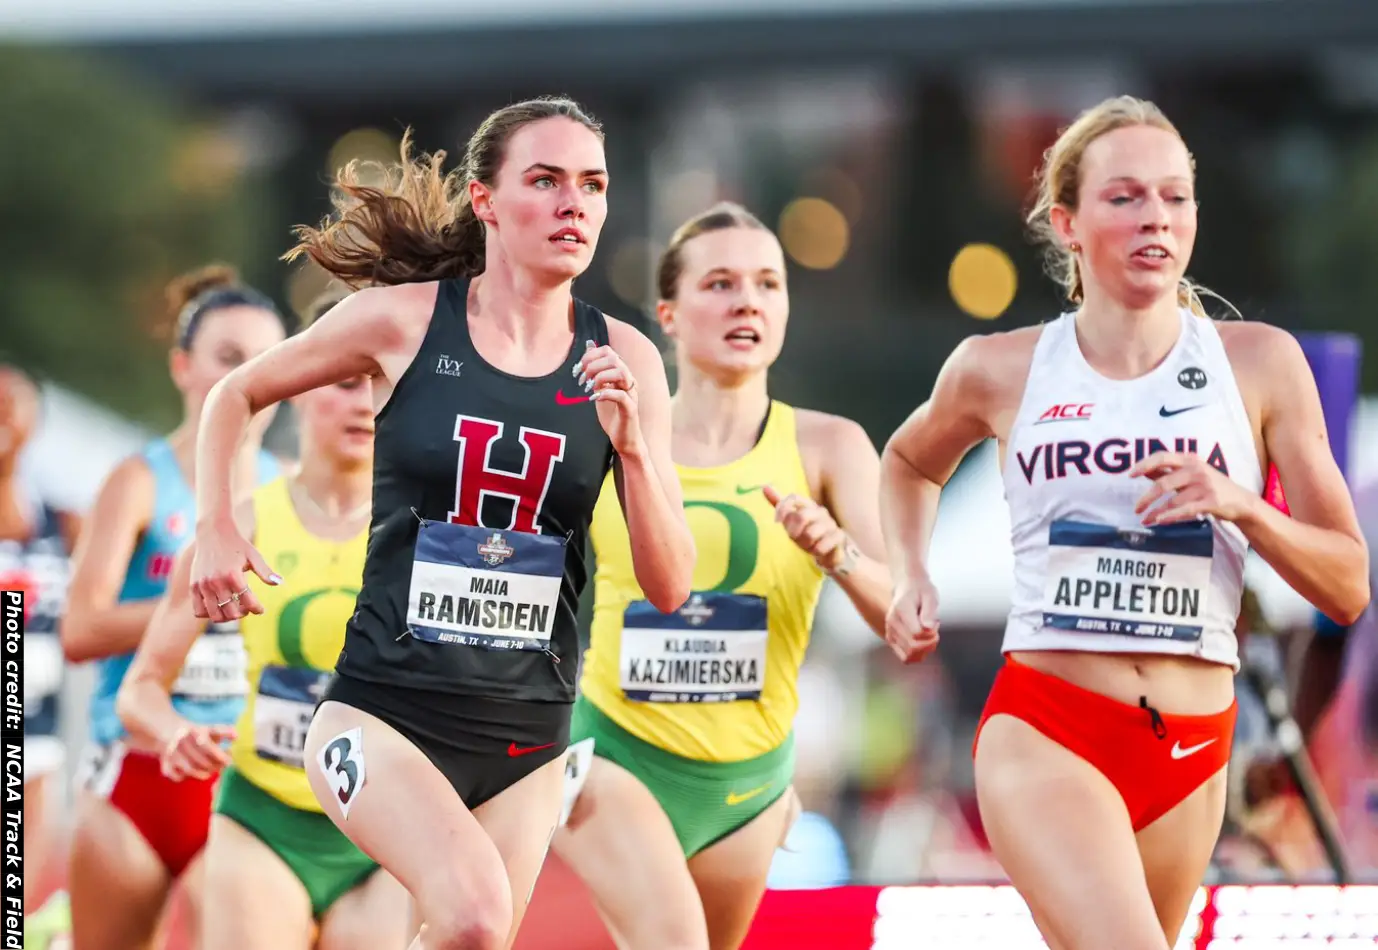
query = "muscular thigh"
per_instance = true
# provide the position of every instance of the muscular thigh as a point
(182, 914)
(251, 899)
(1063, 835)
(117, 884)
(520, 821)
(1176, 851)
(390, 800)
(376, 915)
(731, 874)
(620, 842)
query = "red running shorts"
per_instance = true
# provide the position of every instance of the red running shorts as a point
(1153, 759)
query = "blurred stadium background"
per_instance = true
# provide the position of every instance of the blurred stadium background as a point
(892, 143)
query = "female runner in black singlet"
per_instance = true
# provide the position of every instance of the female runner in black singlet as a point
(439, 746)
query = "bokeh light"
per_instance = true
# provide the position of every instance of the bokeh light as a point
(814, 232)
(366, 145)
(982, 280)
(304, 284)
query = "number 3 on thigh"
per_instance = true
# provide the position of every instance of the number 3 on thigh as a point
(341, 761)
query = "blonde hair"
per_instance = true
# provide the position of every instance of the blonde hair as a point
(1059, 183)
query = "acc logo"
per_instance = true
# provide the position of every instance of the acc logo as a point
(1062, 412)
(696, 613)
(495, 550)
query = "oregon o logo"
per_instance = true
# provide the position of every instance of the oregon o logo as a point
(290, 623)
(743, 544)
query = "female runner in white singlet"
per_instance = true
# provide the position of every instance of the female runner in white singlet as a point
(1134, 434)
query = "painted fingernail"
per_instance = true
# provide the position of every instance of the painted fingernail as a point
(582, 379)
(274, 579)
(589, 344)
(588, 386)
(575, 370)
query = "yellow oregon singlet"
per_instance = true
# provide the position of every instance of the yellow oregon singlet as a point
(293, 644)
(717, 680)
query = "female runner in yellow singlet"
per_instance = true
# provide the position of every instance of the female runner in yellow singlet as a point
(688, 792)
(279, 874)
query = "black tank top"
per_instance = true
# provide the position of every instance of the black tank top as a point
(484, 484)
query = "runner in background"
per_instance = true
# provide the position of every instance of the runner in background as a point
(36, 542)
(691, 714)
(137, 832)
(281, 875)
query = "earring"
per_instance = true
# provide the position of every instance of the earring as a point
(1074, 247)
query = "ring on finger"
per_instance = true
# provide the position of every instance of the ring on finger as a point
(222, 603)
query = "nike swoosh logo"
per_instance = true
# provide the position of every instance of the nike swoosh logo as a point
(562, 400)
(734, 799)
(1167, 413)
(513, 751)
(748, 489)
(1180, 753)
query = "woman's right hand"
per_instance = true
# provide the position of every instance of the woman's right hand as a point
(195, 752)
(911, 626)
(218, 590)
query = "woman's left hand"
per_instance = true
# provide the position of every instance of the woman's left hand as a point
(613, 389)
(1192, 487)
(810, 526)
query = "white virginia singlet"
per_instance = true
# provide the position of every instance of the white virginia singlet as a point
(1087, 574)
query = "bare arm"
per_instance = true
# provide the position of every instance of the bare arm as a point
(647, 485)
(95, 625)
(927, 448)
(850, 491)
(361, 335)
(1320, 550)
(144, 703)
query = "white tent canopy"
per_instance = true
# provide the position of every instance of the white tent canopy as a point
(75, 447)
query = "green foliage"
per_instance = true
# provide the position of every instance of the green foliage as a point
(109, 188)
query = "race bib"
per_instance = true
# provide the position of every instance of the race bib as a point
(711, 650)
(216, 667)
(577, 763)
(1148, 582)
(286, 701)
(43, 665)
(99, 768)
(483, 588)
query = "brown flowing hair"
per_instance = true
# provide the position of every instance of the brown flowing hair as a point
(419, 225)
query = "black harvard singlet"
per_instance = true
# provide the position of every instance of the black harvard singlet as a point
(484, 485)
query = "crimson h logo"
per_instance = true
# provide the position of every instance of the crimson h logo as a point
(476, 477)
